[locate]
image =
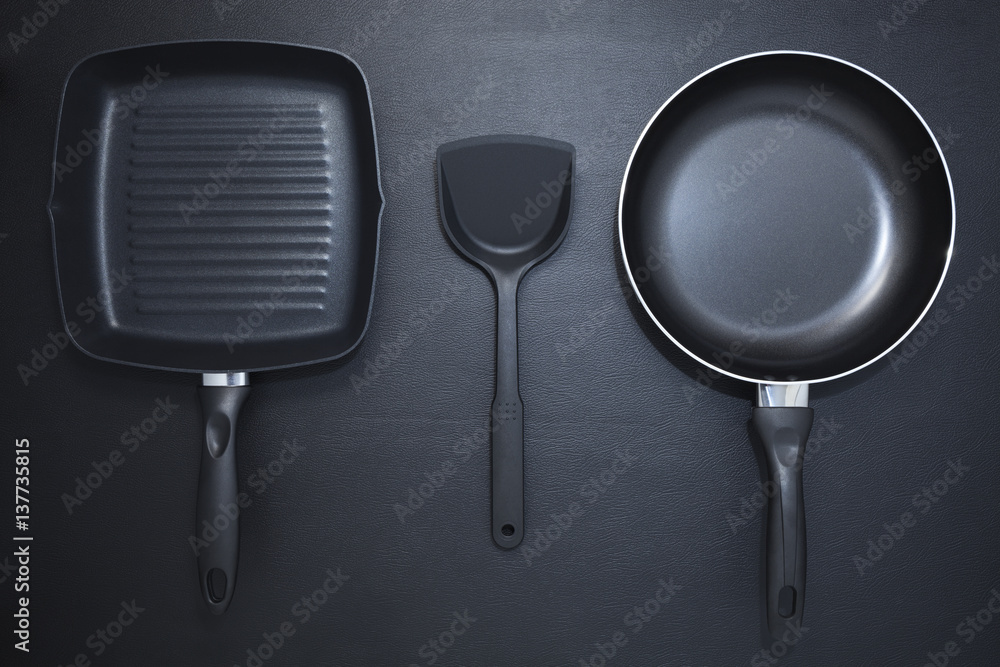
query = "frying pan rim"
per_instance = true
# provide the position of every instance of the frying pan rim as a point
(487, 140)
(621, 224)
(378, 186)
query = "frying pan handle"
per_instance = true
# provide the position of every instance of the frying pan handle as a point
(217, 525)
(784, 432)
(507, 426)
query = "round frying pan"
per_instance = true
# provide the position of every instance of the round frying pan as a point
(786, 218)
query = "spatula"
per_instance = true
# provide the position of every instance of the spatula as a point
(505, 203)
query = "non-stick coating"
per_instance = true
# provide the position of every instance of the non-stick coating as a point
(776, 222)
(226, 215)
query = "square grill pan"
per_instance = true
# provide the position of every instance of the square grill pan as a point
(220, 201)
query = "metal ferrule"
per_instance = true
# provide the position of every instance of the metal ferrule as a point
(783, 395)
(225, 379)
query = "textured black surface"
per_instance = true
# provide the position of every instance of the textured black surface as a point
(597, 383)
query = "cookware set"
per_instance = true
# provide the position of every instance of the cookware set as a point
(241, 193)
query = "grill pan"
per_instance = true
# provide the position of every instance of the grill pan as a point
(220, 202)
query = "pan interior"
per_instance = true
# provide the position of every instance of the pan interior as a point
(786, 217)
(222, 213)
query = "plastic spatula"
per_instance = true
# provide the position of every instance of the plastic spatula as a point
(506, 203)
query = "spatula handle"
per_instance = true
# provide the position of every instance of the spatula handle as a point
(217, 525)
(507, 426)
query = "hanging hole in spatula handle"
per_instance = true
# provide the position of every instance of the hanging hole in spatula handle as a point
(783, 432)
(508, 472)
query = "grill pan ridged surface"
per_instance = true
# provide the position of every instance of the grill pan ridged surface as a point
(270, 219)
(237, 193)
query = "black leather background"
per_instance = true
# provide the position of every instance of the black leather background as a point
(596, 379)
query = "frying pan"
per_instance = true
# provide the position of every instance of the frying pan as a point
(770, 231)
(232, 190)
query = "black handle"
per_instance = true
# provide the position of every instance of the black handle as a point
(508, 426)
(218, 511)
(784, 432)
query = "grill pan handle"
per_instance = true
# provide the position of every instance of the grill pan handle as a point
(217, 525)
